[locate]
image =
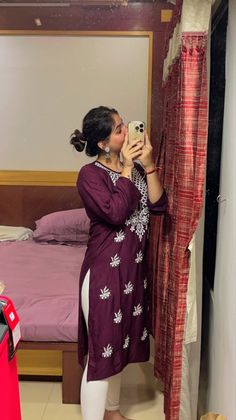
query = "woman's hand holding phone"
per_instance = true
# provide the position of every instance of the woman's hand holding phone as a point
(136, 150)
(130, 152)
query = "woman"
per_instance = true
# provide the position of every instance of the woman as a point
(113, 310)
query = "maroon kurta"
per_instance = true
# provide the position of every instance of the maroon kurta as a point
(118, 309)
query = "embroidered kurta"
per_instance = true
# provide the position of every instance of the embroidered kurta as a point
(118, 306)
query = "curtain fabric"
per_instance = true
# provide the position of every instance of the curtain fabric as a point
(182, 160)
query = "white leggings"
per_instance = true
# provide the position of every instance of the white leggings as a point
(96, 396)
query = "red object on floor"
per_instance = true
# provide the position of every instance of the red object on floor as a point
(9, 387)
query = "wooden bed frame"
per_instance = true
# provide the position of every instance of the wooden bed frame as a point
(25, 197)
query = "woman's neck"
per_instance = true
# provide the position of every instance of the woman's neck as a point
(113, 162)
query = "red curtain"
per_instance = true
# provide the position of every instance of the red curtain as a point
(182, 161)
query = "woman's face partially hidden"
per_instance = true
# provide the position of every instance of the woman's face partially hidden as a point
(117, 136)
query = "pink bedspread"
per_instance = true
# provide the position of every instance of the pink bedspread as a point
(43, 282)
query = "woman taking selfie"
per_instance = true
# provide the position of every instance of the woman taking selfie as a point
(113, 309)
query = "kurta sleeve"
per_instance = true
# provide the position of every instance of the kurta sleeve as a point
(111, 204)
(160, 206)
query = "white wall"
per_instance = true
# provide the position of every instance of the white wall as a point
(222, 348)
(48, 84)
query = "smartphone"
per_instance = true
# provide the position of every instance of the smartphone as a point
(136, 131)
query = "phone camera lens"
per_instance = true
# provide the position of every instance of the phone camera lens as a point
(141, 126)
(141, 130)
(136, 128)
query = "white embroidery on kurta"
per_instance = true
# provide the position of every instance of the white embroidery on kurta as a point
(145, 283)
(108, 350)
(137, 310)
(105, 293)
(118, 317)
(139, 257)
(115, 261)
(138, 221)
(114, 175)
(145, 334)
(120, 236)
(128, 288)
(126, 343)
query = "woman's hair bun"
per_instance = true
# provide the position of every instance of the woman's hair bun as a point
(78, 140)
(97, 125)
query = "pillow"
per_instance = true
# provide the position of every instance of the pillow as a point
(15, 233)
(63, 226)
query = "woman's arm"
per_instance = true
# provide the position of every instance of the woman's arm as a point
(155, 189)
(111, 204)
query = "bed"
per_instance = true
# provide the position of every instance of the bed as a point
(42, 278)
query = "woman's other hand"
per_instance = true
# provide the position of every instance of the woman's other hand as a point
(146, 158)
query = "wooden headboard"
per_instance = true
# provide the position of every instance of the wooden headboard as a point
(22, 205)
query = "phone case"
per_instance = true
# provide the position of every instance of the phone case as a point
(136, 131)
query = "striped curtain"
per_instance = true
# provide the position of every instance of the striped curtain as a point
(182, 160)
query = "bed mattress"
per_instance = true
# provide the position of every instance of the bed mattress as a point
(43, 282)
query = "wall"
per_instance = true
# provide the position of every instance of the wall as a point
(222, 340)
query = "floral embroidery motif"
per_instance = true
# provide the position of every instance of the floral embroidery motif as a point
(145, 284)
(128, 288)
(145, 334)
(115, 261)
(118, 317)
(108, 350)
(137, 310)
(138, 222)
(120, 236)
(139, 257)
(105, 293)
(126, 343)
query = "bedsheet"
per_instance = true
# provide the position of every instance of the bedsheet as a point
(43, 282)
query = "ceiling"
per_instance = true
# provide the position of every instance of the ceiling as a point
(56, 3)
(82, 14)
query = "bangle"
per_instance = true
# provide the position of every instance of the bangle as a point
(153, 170)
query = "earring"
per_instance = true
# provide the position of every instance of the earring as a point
(107, 153)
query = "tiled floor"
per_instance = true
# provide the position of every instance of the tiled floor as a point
(140, 398)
